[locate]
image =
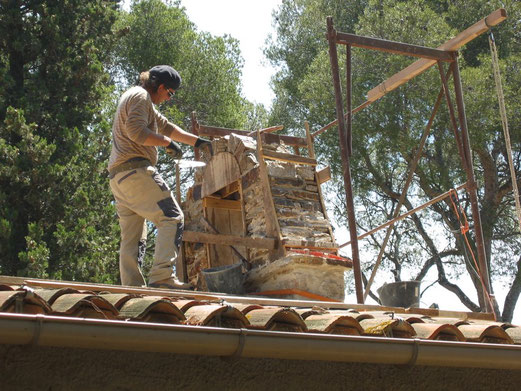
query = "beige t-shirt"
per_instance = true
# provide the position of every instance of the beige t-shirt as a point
(136, 118)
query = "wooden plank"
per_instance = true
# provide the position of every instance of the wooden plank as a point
(230, 189)
(270, 214)
(393, 47)
(232, 240)
(288, 243)
(218, 203)
(221, 171)
(323, 175)
(271, 129)
(420, 66)
(288, 158)
(214, 131)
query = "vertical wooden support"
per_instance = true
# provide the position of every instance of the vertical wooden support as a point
(309, 140)
(311, 154)
(270, 215)
(472, 187)
(344, 149)
(195, 131)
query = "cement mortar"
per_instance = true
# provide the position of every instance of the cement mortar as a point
(30, 368)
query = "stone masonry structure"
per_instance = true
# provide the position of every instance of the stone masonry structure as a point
(240, 209)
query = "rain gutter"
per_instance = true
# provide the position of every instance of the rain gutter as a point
(53, 331)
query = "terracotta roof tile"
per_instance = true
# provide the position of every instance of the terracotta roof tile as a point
(444, 332)
(276, 319)
(50, 295)
(151, 309)
(84, 305)
(333, 324)
(245, 308)
(395, 328)
(5, 287)
(216, 315)
(118, 299)
(23, 302)
(453, 321)
(485, 333)
(515, 334)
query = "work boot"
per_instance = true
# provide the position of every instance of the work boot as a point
(171, 283)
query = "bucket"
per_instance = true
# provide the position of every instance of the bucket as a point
(224, 279)
(400, 294)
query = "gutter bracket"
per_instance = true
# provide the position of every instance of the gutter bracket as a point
(240, 347)
(37, 329)
(415, 349)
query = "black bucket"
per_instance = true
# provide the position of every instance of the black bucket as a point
(400, 294)
(224, 279)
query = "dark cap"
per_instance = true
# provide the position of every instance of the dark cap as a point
(166, 75)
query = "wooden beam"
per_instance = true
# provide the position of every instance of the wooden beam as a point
(393, 47)
(209, 202)
(420, 66)
(214, 131)
(271, 129)
(232, 240)
(288, 158)
(323, 175)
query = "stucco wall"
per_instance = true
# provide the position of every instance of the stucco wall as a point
(38, 368)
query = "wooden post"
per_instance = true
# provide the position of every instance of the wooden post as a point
(195, 131)
(344, 149)
(270, 214)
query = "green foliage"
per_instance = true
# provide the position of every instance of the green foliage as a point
(56, 216)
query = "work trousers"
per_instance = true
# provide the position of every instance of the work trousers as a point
(141, 194)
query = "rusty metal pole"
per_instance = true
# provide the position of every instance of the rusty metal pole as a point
(349, 92)
(344, 149)
(472, 187)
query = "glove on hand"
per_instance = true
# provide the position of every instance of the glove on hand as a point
(202, 143)
(174, 150)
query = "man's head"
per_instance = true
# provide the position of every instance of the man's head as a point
(161, 82)
(166, 75)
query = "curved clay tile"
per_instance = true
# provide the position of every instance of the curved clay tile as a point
(151, 309)
(245, 308)
(184, 305)
(514, 333)
(85, 306)
(306, 312)
(333, 324)
(5, 287)
(276, 319)
(442, 332)
(118, 299)
(453, 321)
(394, 328)
(485, 333)
(50, 295)
(216, 315)
(355, 314)
(23, 302)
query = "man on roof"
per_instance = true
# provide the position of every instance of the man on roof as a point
(139, 190)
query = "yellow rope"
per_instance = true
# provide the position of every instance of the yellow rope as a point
(504, 121)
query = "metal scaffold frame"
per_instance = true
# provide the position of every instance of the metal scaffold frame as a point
(447, 52)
